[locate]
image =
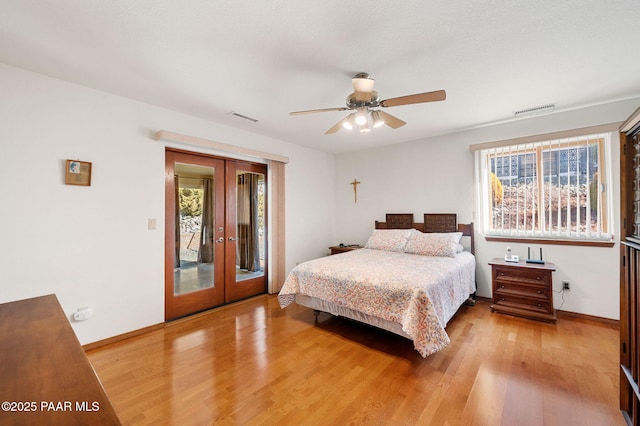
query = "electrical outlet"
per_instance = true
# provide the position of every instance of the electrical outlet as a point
(83, 313)
(566, 285)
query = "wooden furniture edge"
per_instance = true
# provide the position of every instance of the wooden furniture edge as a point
(45, 369)
(525, 313)
(547, 266)
(337, 249)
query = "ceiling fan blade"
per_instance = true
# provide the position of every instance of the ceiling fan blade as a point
(335, 127)
(438, 95)
(312, 111)
(391, 121)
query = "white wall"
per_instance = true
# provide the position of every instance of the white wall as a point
(90, 245)
(436, 176)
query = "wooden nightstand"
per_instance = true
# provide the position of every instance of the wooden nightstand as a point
(343, 249)
(523, 289)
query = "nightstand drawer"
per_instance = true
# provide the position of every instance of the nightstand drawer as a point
(524, 276)
(522, 289)
(529, 304)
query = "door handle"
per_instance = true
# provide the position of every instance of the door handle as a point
(220, 240)
(233, 238)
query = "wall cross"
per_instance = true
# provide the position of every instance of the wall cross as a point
(355, 184)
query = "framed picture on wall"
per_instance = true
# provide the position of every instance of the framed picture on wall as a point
(78, 173)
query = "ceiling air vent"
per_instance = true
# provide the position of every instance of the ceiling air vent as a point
(535, 110)
(237, 114)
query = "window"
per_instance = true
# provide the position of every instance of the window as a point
(553, 189)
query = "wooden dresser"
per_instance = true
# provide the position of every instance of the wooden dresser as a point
(523, 289)
(45, 376)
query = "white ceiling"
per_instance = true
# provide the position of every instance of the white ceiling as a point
(264, 59)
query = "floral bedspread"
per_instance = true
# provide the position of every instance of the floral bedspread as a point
(421, 293)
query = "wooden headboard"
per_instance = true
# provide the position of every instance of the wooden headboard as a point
(433, 222)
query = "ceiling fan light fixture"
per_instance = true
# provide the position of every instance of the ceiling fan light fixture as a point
(362, 83)
(348, 122)
(377, 119)
(364, 102)
(361, 117)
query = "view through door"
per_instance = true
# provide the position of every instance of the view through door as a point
(246, 213)
(215, 232)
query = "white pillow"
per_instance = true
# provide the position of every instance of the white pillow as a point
(455, 236)
(434, 244)
(390, 239)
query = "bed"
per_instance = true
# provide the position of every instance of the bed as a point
(409, 279)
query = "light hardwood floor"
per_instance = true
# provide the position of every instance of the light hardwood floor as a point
(253, 363)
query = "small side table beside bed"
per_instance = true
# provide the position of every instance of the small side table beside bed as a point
(523, 289)
(343, 248)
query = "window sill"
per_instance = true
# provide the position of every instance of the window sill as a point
(584, 243)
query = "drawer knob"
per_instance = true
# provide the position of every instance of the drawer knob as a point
(501, 273)
(501, 286)
(502, 299)
(539, 291)
(538, 278)
(539, 305)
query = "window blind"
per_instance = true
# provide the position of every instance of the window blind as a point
(549, 189)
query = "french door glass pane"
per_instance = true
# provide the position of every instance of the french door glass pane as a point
(195, 198)
(250, 220)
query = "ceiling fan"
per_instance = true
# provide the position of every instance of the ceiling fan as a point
(364, 101)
